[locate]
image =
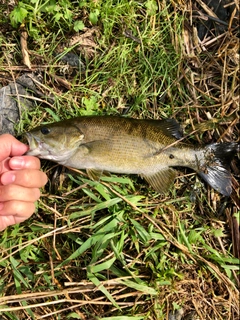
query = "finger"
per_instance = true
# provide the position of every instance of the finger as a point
(24, 162)
(15, 192)
(9, 146)
(14, 212)
(17, 208)
(6, 221)
(19, 163)
(4, 165)
(26, 178)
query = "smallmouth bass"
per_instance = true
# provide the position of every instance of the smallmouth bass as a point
(148, 148)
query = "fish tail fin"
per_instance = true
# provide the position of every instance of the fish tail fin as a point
(215, 171)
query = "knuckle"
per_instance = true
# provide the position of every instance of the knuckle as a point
(13, 192)
(28, 179)
(7, 192)
(36, 194)
(44, 178)
(32, 178)
(21, 208)
(32, 163)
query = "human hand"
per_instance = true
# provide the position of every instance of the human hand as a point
(20, 180)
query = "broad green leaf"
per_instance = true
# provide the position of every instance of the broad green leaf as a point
(18, 277)
(97, 207)
(152, 7)
(18, 15)
(93, 16)
(144, 288)
(101, 266)
(111, 225)
(88, 244)
(103, 191)
(78, 25)
(134, 199)
(58, 16)
(218, 232)
(145, 236)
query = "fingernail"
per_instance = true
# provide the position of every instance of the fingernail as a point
(8, 178)
(17, 163)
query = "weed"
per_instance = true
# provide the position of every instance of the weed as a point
(116, 249)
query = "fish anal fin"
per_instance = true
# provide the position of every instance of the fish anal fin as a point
(162, 180)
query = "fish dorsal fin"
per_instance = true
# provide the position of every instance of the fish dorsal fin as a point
(162, 180)
(170, 127)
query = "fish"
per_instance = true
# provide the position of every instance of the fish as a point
(149, 148)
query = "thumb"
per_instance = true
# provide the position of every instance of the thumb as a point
(10, 146)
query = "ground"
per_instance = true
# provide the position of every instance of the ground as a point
(116, 249)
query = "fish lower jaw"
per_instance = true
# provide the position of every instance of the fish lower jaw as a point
(35, 153)
(47, 156)
(38, 153)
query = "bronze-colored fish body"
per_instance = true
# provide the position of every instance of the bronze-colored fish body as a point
(130, 146)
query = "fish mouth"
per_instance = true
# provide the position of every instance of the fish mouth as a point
(41, 149)
(35, 145)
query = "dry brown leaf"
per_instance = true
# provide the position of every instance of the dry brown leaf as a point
(24, 48)
(85, 39)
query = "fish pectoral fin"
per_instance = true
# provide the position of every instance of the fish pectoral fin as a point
(162, 180)
(95, 174)
(98, 145)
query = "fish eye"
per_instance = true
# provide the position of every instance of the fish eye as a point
(171, 156)
(45, 130)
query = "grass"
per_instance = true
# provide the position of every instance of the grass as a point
(115, 249)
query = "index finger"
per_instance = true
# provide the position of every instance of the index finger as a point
(24, 162)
